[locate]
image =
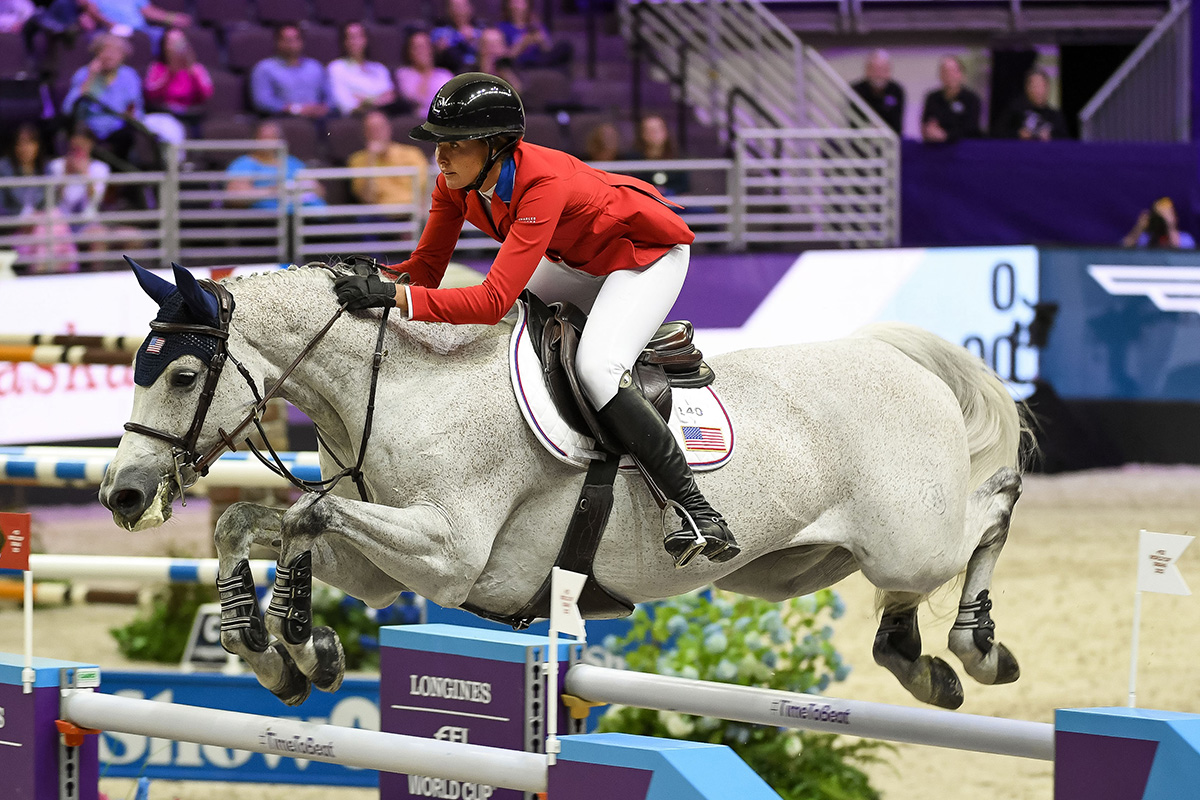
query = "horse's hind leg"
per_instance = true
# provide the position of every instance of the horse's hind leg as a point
(242, 630)
(898, 649)
(972, 638)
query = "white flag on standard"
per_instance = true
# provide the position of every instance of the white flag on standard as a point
(1158, 556)
(565, 588)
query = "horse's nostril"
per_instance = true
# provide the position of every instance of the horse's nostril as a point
(128, 500)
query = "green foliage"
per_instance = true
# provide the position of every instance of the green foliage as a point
(162, 634)
(749, 642)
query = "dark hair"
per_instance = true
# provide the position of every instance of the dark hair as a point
(1156, 229)
(10, 151)
(283, 26)
(670, 149)
(1037, 71)
(346, 27)
(160, 49)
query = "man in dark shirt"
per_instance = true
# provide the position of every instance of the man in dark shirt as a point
(1031, 117)
(952, 112)
(880, 92)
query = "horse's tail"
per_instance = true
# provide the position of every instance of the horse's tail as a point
(994, 423)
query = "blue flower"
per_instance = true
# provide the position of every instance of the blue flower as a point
(724, 606)
(823, 683)
(690, 672)
(741, 623)
(754, 641)
(826, 632)
(837, 607)
(714, 627)
(780, 635)
(716, 643)
(771, 620)
(612, 644)
(726, 670)
(770, 659)
(807, 604)
(842, 672)
(677, 625)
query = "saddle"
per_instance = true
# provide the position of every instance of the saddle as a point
(669, 360)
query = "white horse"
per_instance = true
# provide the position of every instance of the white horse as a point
(891, 451)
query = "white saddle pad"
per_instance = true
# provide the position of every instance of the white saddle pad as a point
(699, 420)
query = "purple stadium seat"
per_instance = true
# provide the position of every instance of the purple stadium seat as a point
(339, 12)
(229, 93)
(385, 43)
(404, 11)
(275, 12)
(222, 13)
(543, 129)
(345, 136)
(321, 42)
(301, 136)
(141, 53)
(208, 51)
(545, 88)
(174, 5)
(249, 44)
(402, 124)
(13, 59)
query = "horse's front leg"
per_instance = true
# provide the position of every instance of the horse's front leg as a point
(242, 630)
(372, 552)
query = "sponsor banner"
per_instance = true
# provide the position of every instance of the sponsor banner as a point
(980, 297)
(1128, 325)
(57, 402)
(354, 705)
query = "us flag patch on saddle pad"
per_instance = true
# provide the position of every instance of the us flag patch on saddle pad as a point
(699, 420)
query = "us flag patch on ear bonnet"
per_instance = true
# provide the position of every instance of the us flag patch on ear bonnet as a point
(160, 349)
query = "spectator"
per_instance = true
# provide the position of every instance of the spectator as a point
(456, 40)
(48, 28)
(653, 142)
(24, 160)
(1158, 227)
(82, 200)
(952, 112)
(419, 79)
(176, 83)
(493, 57)
(356, 84)
(256, 174)
(603, 143)
(138, 15)
(381, 151)
(289, 82)
(14, 14)
(528, 41)
(106, 93)
(880, 92)
(1031, 117)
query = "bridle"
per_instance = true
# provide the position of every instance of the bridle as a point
(183, 448)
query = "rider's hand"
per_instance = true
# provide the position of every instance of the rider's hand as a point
(359, 292)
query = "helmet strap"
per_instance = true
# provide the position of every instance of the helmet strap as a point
(490, 161)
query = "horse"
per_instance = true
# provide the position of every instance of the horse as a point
(891, 452)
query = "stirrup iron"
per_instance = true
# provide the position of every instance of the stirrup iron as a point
(683, 553)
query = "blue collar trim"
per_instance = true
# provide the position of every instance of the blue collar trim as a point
(504, 185)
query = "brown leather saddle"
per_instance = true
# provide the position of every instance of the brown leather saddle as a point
(670, 359)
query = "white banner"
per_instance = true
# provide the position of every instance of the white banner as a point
(565, 588)
(42, 403)
(1158, 556)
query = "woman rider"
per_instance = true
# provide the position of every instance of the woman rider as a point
(608, 243)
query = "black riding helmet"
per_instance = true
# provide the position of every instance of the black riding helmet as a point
(475, 105)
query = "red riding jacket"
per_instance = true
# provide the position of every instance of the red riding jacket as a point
(549, 204)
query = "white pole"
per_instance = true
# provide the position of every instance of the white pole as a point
(1133, 651)
(352, 747)
(553, 747)
(928, 726)
(28, 675)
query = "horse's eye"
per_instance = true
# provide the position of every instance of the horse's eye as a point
(183, 378)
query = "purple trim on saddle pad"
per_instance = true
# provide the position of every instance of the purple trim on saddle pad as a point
(1089, 766)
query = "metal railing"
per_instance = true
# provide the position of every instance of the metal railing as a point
(1148, 98)
(821, 187)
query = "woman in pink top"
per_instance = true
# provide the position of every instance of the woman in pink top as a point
(176, 83)
(418, 80)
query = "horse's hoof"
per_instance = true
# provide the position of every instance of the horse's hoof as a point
(1007, 668)
(935, 682)
(293, 689)
(331, 659)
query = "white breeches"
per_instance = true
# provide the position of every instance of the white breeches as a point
(624, 308)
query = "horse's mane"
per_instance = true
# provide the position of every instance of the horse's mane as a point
(315, 281)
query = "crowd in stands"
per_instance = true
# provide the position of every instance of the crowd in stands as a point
(953, 111)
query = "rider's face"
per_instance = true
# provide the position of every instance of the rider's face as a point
(461, 162)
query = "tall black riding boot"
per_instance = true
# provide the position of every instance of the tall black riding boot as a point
(631, 418)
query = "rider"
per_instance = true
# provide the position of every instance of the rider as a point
(610, 244)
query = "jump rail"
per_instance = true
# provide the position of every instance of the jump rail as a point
(63, 354)
(353, 747)
(148, 569)
(129, 344)
(85, 466)
(784, 709)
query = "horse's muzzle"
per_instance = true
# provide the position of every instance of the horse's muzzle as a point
(130, 495)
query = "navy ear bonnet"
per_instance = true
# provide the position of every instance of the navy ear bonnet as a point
(185, 303)
(160, 349)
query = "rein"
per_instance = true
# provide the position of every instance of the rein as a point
(184, 447)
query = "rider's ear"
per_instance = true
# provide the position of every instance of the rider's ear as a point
(198, 301)
(156, 287)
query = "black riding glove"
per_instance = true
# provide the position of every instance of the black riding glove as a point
(359, 292)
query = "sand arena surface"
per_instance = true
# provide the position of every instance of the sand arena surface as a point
(1063, 597)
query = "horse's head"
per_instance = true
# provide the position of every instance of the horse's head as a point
(178, 400)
